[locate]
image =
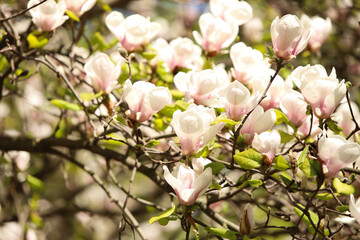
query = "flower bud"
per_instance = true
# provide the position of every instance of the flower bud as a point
(79, 7)
(247, 221)
(289, 36)
(321, 30)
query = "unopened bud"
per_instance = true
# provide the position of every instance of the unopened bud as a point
(247, 221)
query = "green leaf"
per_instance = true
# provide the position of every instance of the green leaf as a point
(215, 185)
(281, 117)
(310, 167)
(160, 125)
(343, 188)
(224, 119)
(303, 155)
(37, 39)
(325, 196)
(35, 183)
(148, 55)
(314, 217)
(255, 182)
(343, 208)
(169, 110)
(249, 159)
(334, 127)
(176, 94)
(65, 105)
(120, 119)
(182, 105)
(72, 15)
(285, 137)
(280, 163)
(162, 215)
(216, 167)
(204, 152)
(153, 143)
(90, 96)
(287, 180)
(164, 74)
(222, 232)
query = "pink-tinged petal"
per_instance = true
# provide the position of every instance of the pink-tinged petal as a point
(113, 22)
(187, 197)
(265, 122)
(198, 38)
(172, 181)
(240, 14)
(154, 30)
(203, 182)
(181, 81)
(354, 209)
(327, 146)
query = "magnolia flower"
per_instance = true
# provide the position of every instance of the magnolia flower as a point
(180, 52)
(354, 208)
(133, 31)
(310, 72)
(304, 129)
(193, 127)
(321, 30)
(198, 164)
(247, 221)
(48, 15)
(247, 62)
(102, 72)
(233, 11)
(293, 105)
(144, 99)
(257, 122)
(202, 86)
(267, 143)
(336, 153)
(324, 94)
(216, 33)
(188, 185)
(289, 36)
(79, 7)
(253, 30)
(344, 119)
(237, 100)
(276, 91)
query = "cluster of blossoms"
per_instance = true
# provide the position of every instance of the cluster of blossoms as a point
(251, 95)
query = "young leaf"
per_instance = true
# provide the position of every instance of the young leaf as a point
(72, 15)
(215, 185)
(343, 208)
(310, 167)
(343, 188)
(222, 232)
(285, 137)
(148, 55)
(334, 127)
(303, 155)
(35, 183)
(314, 217)
(176, 94)
(162, 215)
(281, 117)
(216, 167)
(65, 105)
(224, 119)
(249, 159)
(37, 39)
(280, 163)
(182, 105)
(255, 182)
(90, 96)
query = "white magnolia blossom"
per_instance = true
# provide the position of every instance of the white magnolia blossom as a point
(216, 33)
(188, 185)
(304, 129)
(310, 72)
(276, 91)
(79, 7)
(237, 100)
(144, 99)
(193, 127)
(202, 86)
(354, 208)
(235, 11)
(198, 164)
(133, 31)
(258, 122)
(180, 52)
(336, 153)
(344, 119)
(323, 93)
(247, 221)
(247, 62)
(49, 15)
(294, 106)
(267, 143)
(289, 36)
(321, 30)
(253, 29)
(102, 72)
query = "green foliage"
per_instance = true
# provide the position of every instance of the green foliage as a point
(37, 39)
(333, 126)
(285, 137)
(90, 96)
(72, 15)
(308, 165)
(204, 152)
(313, 216)
(163, 217)
(224, 119)
(280, 163)
(343, 188)
(248, 159)
(65, 105)
(222, 232)
(35, 184)
(216, 167)
(342, 208)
